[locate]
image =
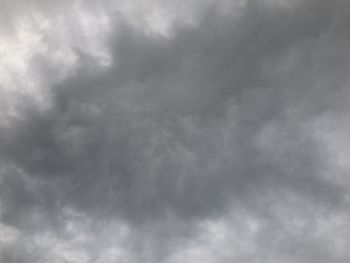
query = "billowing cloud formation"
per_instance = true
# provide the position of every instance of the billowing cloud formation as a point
(177, 131)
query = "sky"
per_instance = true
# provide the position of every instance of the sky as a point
(174, 131)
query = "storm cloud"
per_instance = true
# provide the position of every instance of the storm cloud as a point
(174, 131)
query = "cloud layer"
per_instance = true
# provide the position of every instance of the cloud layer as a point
(153, 131)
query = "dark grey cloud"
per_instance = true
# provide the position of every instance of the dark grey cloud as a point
(214, 134)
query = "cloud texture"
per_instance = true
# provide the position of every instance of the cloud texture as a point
(174, 131)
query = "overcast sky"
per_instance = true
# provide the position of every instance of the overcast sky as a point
(174, 131)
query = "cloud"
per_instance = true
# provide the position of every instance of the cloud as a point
(133, 135)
